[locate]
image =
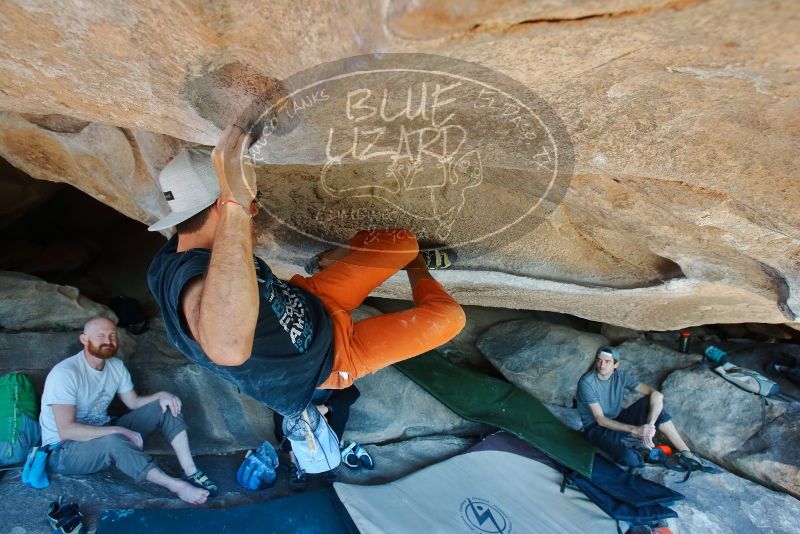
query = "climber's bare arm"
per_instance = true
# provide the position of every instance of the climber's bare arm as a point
(221, 308)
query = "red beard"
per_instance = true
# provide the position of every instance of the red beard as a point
(103, 352)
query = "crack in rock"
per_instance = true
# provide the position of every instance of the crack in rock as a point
(675, 5)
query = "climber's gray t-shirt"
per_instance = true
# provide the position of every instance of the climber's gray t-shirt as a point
(607, 393)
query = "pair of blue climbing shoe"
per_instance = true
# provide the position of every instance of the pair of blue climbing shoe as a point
(257, 471)
(354, 456)
(34, 472)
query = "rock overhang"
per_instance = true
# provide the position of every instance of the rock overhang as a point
(681, 207)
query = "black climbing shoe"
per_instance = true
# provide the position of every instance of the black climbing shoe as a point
(201, 480)
(688, 462)
(329, 477)
(65, 518)
(439, 259)
(692, 462)
(298, 479)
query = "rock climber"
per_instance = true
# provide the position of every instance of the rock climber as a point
(278, 341)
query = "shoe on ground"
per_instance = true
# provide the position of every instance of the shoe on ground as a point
(364, 458)
(71, 525)
(298, 479)
(201, 480)
(693, 462)
(439, 259)
(65, 518)
(329, 477)
(349, 457)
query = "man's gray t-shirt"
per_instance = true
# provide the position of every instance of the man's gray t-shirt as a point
(74, 381)
(606, 393)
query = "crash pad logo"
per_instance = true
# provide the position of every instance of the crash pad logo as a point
(458, 153)
(484, 517)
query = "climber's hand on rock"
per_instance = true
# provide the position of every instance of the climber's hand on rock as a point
(236, 175)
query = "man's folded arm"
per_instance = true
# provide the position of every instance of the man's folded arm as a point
(607, 422)
(69, 428)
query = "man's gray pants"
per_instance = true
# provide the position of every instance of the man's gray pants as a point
(85, 457)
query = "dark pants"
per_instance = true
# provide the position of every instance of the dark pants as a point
(85, 457)
(619, 445)
(338, 402)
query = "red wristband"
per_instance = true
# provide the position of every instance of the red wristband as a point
(236, 202)
(232, 201)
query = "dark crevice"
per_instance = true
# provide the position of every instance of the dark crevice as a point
(66, 237)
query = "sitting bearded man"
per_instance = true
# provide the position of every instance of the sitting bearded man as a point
(76, 426)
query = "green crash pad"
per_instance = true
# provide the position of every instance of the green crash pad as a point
(491, 401)
(315, 512)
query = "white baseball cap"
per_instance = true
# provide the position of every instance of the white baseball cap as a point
(189, 183)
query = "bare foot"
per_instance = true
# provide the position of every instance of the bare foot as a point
(190, 494)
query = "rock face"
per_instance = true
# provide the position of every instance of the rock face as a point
(35, 353)
(734, 428)
(652, 362)
(723, 503)
(543, 359)
(681, 210)
(392, 407)
(405, 429)
(770, 454)
(218, 423)
(618, 334)
(696, 398)
(29, 303)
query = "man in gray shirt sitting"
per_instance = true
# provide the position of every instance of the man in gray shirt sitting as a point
(623, 433)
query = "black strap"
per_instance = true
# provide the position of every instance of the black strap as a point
(564, 482)
(52, 447)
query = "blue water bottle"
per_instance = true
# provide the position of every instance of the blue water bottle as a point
(716, 355)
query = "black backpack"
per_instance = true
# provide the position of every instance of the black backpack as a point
(130, 313)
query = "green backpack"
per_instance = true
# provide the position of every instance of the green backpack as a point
(17, 397)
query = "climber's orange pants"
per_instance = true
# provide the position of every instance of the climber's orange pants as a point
(371, 344)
